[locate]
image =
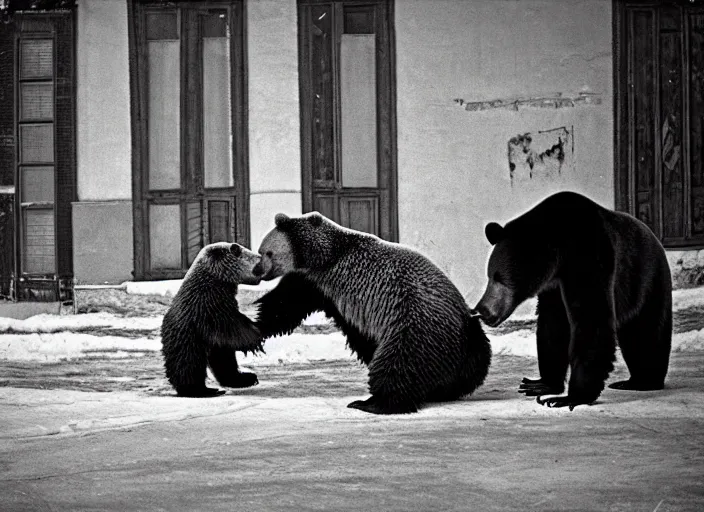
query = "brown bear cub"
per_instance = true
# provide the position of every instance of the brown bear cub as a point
(600, 277)
(204, 327)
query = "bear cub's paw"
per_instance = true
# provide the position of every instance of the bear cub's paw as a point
(538, 387)
(199, 392)
(240, 380)
(377, 406)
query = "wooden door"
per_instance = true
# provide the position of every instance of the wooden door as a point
(190, 179)
(347, 92)
(659, 70)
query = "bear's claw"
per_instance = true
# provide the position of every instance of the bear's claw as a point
(537, 387)
(561, 401)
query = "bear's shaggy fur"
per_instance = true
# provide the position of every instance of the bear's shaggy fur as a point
(204, 327)
(400, 313)
(600, 276)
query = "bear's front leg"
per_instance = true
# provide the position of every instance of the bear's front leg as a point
(553, 337)
(593, 344)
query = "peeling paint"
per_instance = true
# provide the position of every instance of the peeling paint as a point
(556, 100)
(540, 155)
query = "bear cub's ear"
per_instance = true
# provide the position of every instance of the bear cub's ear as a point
(494, 233)
(315, 219)
(236, 249)
(280, 219)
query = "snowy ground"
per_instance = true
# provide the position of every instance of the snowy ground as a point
(87, 422)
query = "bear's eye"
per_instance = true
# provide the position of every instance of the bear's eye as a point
(269, 254)
(497, 278)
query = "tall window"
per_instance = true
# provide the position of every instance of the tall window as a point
(38, 154)
(189, 132)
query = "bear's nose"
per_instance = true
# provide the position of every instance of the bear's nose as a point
(258, 270)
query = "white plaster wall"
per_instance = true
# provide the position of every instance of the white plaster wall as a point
(274, 117)
(453, 174)
(103, 101)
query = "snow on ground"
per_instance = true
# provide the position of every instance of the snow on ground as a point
(52, 338)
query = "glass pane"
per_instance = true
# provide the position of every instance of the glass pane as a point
(38, 248)
(162, 25)
(214, 24)
(36, 58)
(358, 110)
(321, 49)
(36, 101)
(37, 184)
(359, 19)
(217, 128)
(218, 221)
(194, 229)
(164, 114)
(165, 235)
(37, 143)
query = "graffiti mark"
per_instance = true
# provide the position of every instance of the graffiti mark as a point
(540, 155)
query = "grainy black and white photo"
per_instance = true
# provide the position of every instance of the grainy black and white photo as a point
(352, 255)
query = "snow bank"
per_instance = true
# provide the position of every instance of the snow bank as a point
(58, 346)
(169, 288)
(55, 323)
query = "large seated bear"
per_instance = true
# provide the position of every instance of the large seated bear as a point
(400, 313)
(600, 276)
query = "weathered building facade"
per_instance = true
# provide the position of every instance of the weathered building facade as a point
(135, 131)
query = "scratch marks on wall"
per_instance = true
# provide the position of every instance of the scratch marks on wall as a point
(542, 155)
(557, 100)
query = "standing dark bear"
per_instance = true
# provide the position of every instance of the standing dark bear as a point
(204, 327)
(599, 276)
(400, 313)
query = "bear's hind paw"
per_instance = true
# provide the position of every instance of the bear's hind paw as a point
(240, 380)
(631, 385)
(199, 392)
(376, 406)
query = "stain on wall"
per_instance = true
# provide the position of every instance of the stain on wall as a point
(545, 154)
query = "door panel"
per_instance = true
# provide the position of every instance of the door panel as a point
(360, 213)
(347, 113)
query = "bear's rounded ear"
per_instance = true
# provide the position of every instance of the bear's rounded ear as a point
(315, 219)
(236, 249)
(280, 219)
(494, 233)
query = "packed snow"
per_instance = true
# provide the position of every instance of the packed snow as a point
(51, 338)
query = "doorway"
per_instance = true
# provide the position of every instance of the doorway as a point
(659, 100)
(348, 123)
(190, 182)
